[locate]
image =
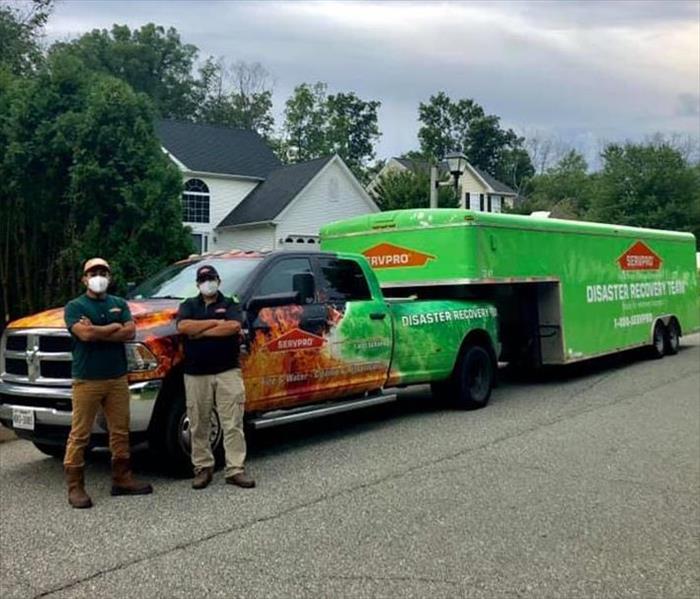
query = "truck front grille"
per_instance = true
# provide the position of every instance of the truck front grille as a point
(55, 370)
(16, 367)
(36, 356)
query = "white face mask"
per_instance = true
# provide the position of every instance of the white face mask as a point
(98, 284)
(208, 287)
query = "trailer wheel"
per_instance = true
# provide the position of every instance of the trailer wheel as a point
(171, 442)
(673, 338)
(658, 341)
(474, 378)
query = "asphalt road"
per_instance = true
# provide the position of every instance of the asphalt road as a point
(582, 483)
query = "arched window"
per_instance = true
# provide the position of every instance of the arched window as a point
(195, 202)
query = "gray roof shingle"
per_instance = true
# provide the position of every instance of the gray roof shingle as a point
(272, 196)
(494, 183)
(217, 149)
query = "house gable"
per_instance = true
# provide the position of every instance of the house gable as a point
(333, 194)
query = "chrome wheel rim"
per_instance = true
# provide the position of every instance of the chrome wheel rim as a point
(185, 435)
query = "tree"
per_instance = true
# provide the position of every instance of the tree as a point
(83, 175)
(151, 60)
(398, 190)
(565, 189)
(545, 150)
(463, 126)
(20, 30)
(239, 95)
(317, 124)
(305, 121)
(647, 186)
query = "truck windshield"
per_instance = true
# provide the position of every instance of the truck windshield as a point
(178, 281)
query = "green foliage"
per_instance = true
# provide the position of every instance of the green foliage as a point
(318, 124)
(463, 126)
(83, 175)
(565, 189)
(151, 60)
(19, 35)
(648, 185)
(398, 190)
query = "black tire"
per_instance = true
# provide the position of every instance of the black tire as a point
(658, 341)
(474, 378)
(170, 438)
(673, 338)
(55, 451)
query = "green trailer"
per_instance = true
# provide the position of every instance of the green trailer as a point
(565, 290)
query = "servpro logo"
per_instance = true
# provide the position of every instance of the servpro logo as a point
(295, 339)
(387, 255)
(639, 257)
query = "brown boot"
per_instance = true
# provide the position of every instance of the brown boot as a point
(241, 479)
(202, 478)
(123, 483)
(77, 497)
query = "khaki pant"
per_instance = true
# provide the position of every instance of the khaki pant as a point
(88, 396)
(226, 391)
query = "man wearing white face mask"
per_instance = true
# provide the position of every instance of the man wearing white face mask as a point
(211, 325)
(99, 324)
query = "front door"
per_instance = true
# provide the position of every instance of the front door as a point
(286, 341)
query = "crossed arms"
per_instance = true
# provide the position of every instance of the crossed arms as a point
(196, 329)
(115, 332)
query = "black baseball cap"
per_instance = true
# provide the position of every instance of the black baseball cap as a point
(206, 273)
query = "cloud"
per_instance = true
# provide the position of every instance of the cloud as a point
(688, 105)
(588, 70)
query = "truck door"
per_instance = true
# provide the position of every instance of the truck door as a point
(286, 340)
(360, 336)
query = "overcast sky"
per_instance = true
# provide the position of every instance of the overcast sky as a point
(582, 70)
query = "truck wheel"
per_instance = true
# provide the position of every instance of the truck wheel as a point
(673, 338)
(172, 443)
(658, 341)
(55, 451)
(474, 378)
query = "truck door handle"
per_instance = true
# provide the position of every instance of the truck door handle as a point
(377, 315)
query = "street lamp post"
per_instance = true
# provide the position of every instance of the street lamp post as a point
(456, 163)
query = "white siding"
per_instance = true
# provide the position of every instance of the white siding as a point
(224, 196)
(471, 184)
(331, 196)
(249, 238)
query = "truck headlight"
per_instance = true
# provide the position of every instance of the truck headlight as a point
(139, 358)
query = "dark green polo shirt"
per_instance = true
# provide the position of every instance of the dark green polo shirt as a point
(97, 360)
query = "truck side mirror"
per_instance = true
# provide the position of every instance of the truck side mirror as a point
(303, 284)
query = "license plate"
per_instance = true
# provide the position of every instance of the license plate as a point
(23, 418)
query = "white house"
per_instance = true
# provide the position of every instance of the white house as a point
(237, 194)
(478, 190)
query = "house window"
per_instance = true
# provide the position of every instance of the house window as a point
(481, 202)
(488, 208)
(195, 202)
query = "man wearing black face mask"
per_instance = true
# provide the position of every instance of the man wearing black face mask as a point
(99, 324)
(211, 325)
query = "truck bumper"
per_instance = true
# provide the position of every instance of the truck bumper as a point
(51, 422)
